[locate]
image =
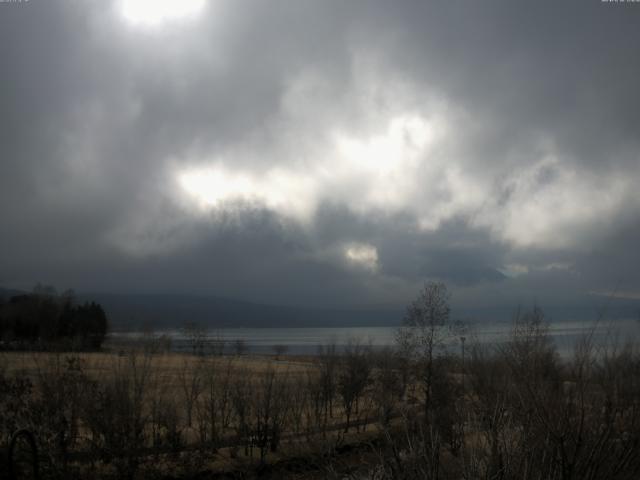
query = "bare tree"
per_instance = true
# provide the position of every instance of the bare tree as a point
(61, 385)
(354, 377)
(196, 336)
(424, 332)
(299, 402)
(388, 389)
(215, 410)
(241, 401)
(239, 346)
(328, 363)
(218, 343)
(116, 415)
(316, 416)
(280, 350)
(165, 427)
(191, 384)
(270, 407)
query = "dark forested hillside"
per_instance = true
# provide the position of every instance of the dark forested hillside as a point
(166, 311)
(44, 319)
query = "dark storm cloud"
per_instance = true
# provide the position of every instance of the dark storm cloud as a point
(566, 70)
(523, 187)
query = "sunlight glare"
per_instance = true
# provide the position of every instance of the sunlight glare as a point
(406, 137)
(156, 12)
(279, 190)
(362, 255)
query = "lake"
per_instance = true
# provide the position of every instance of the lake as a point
(305, 341)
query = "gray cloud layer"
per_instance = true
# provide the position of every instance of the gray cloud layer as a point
(322, 152)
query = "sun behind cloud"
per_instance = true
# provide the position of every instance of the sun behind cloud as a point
(362, 255)
(153, 13)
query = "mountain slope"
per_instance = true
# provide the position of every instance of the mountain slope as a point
(162, 311)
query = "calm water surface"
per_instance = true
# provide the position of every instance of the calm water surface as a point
(306, 340)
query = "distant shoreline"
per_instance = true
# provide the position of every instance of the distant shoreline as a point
(305, 340)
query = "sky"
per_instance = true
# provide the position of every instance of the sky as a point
(322, 152)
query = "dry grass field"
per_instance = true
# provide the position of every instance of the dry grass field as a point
(181, 412)
(169, 365)
(513, 411)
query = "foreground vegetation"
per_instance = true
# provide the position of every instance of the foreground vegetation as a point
(511, 411)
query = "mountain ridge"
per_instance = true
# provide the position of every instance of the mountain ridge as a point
(129, 311)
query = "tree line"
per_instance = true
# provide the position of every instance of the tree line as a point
(44, 319)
